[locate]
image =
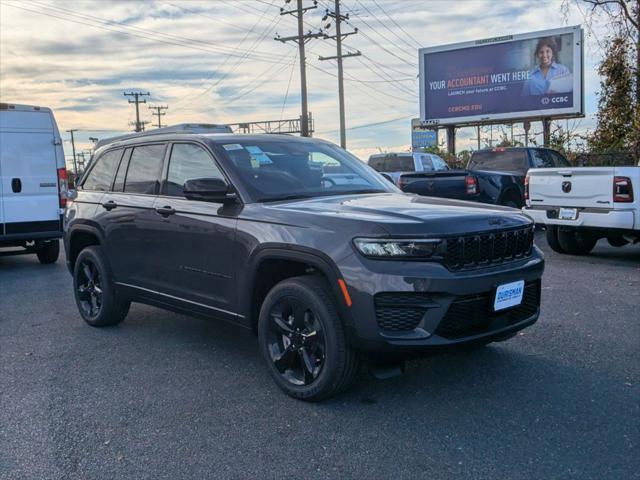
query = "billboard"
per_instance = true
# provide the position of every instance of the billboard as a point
(530, 75)
(421, 136)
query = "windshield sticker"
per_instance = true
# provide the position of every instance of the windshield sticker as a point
(232, 146)
(258, 156)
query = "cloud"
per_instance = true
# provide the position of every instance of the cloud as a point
(218, 62)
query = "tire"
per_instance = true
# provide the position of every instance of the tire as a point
(48, 252)
(575, 242)
(552, 239)
(305, 365)
(617, 241)
(94, 290)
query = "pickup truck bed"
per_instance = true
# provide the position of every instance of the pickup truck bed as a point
(581, 205)
(497, 188)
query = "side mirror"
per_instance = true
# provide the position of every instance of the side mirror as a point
(208, 190)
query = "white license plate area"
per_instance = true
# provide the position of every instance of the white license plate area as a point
(568, 214)
(508, 295)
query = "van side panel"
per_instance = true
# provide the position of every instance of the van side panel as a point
(28, 175)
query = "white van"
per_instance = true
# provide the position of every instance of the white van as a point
(33, 182)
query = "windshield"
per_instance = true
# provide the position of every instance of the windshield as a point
(276, 169)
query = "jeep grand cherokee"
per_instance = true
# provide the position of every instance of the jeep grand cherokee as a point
(298, 240)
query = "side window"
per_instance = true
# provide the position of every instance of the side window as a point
(559, 160)
(104, 168)
(145, 169)
(438, 163)
(118, 184)
(188, 162)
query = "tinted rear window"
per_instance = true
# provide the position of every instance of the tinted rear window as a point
(393, 163)
(499, 160)
(101, 175)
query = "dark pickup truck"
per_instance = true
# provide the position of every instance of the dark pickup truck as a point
(495, 176)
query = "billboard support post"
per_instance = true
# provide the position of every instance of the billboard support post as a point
(546, 131)
(451, 139)
(527, 127)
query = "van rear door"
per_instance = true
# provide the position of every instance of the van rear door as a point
(28, 171)
(572, 187)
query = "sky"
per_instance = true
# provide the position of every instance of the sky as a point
(217, 61)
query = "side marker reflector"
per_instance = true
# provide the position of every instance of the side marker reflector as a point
(345, 292)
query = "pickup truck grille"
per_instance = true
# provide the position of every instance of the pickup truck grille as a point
(488, 248)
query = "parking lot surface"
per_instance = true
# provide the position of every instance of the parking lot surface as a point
(165, 396)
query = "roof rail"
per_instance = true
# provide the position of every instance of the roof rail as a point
(179, 128)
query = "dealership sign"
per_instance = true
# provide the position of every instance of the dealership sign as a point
(515, 77)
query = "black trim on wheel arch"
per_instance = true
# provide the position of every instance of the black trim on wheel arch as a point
(313, 257)
(82, 228)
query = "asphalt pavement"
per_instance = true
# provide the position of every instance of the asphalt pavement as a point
(165, 396)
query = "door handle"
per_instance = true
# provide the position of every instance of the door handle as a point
(165, 211)
(110, 205)
(16, 185)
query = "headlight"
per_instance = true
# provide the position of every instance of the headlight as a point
(398, 248)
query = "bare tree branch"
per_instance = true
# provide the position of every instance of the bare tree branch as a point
(621, 3)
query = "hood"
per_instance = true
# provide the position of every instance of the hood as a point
(401, 214)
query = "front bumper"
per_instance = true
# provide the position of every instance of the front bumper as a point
(587, 218)
(417, 308)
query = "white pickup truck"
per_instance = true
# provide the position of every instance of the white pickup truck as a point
(583, 204)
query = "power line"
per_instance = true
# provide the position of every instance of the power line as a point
(374, 41)
(265, 32)
(206, 43)
(399, 26)
(286, 93)
(373, 124)
(103, 25)
(301, 39)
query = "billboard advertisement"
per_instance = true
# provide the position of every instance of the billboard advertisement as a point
(531, 75)
(422, 136)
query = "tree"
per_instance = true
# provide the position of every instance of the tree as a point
(616, 106)
(624, 22)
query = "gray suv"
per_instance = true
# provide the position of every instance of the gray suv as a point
(302, 243)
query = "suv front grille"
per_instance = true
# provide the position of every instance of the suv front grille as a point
(473, 315)
(488, 248)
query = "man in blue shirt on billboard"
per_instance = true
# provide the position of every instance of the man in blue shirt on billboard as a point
(548, 76)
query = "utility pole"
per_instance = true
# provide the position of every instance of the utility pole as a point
(73, 148)
(141, 124)
(158, 113)
(338, 38)
(137, 101)
(301, 39)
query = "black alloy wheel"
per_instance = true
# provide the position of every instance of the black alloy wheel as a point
(89, 288)
(303, 340)
(98, 302)
(296, 341)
